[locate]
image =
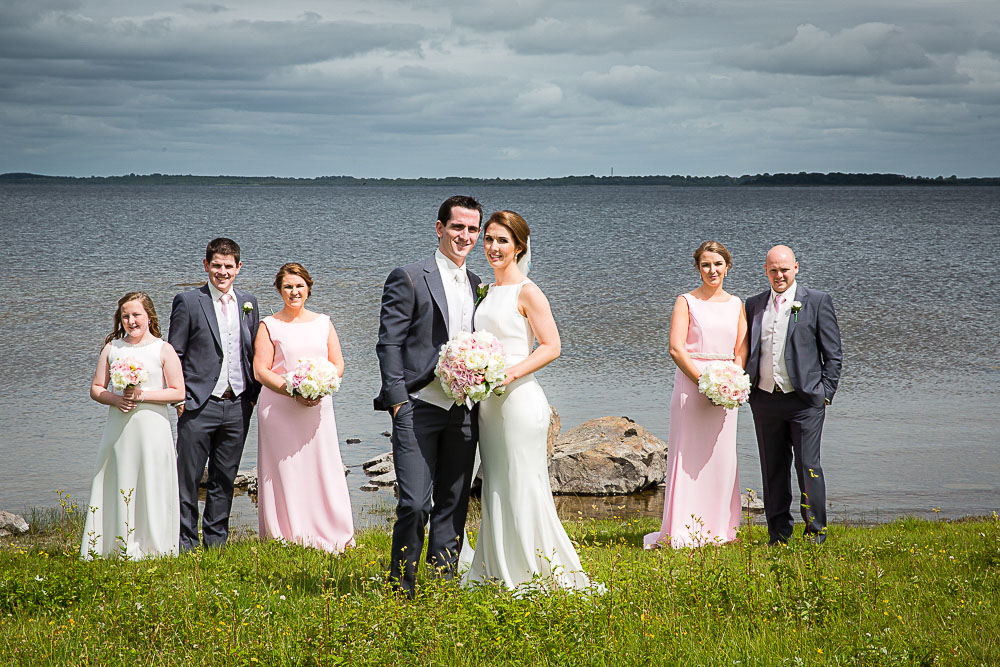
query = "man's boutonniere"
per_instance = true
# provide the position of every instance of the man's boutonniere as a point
(248, 307)
(481, 292)
(796, 307)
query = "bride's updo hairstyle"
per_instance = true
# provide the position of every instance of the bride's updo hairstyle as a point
(716, 247)
(517, 227)
(294, 269)
(119, 329)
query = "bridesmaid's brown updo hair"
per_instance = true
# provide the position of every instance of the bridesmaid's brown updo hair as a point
(716, 247)
(294, 269)
(118, 331)
(517, 227)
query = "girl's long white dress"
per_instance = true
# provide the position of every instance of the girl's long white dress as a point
(134, 509)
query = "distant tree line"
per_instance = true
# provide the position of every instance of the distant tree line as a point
(758, 180)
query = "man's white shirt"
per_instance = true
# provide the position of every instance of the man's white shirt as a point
(460, 306)
(773, 334)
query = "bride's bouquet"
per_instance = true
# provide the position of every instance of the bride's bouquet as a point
(470, 366)
(725, 384)
(312, 379)
(127, 372)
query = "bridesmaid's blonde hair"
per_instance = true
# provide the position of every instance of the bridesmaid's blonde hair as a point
(119, 329)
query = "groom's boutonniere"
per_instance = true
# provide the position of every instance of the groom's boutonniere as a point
(481, 292)
(796, 307)
(248, 307)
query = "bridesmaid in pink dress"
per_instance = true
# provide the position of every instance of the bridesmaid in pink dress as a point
(302, 493)
(702, 501)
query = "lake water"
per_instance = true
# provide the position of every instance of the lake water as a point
(914, 426)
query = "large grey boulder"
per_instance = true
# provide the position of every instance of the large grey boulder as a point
(11, 524)
(607, 456)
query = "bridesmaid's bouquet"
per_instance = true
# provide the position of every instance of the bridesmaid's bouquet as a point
(470, 366)
(127, 372)
(312, 379)
(725, 384)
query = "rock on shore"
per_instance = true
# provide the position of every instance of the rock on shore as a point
(607, 456)
(11, 524)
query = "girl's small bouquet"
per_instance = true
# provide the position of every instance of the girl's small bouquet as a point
(725, 384)
(127, 372)
(312, 379)
(470, 366)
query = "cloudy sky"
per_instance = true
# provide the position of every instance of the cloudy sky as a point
(499, 88)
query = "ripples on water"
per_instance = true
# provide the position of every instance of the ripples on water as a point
(914, 424)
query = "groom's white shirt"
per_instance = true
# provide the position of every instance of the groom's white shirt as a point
(773, 333)
(231, 374)
(460, 306)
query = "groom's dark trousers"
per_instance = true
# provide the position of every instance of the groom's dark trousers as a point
(432, 445)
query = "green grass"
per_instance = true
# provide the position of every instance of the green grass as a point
(911, 592)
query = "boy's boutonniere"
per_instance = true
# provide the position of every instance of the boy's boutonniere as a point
(796, 307)
(248, 307)
(481, 292)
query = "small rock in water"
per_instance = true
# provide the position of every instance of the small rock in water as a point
(387, 434)
(378, 459)
(379, 469)
(752, 500)
(353, 441)
(368, 486)
(388, 479)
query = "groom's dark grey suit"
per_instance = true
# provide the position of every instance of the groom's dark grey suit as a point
(790, 424)
(210, 429)
(433, 448)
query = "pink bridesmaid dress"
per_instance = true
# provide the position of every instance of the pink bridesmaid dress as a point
(302, 492)
(702, 501)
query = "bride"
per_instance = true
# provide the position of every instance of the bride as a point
(521, 540)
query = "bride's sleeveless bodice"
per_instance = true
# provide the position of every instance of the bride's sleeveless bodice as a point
(498, 314)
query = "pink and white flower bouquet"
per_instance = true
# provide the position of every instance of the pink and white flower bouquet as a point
(725, 384)
(470, 366)
(127, 372)
(312, 379)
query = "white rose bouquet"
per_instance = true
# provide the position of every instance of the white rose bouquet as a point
(127, 372)
(725, 384)
(312, 379)
(470, 366)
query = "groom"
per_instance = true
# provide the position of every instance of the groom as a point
(424, 304)
(794, 368)
(213, 329)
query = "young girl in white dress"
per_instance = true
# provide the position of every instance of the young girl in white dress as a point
(521, 541)
(133, 510)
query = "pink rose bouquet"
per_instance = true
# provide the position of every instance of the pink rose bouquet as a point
(312, 379)
(470, 366)
(127, 372)
(725, 384)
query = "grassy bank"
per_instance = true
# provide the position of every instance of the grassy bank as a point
(907, 593)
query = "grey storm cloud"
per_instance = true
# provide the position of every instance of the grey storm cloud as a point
(499, 87)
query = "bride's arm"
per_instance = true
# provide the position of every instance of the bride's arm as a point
(533, 305)
(173, 379)
(679, 322)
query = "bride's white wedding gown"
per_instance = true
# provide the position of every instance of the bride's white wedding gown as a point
(521, 540)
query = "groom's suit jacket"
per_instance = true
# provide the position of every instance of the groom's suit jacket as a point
(812, 349)
(194, 333)
(412, 328)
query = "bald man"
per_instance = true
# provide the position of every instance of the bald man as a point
(794, 367)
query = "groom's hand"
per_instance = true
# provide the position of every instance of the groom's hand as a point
(395, 408)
